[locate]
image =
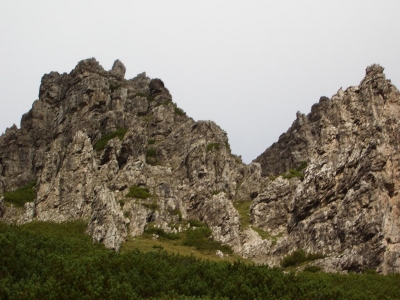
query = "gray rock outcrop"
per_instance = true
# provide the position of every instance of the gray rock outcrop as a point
(329, 185)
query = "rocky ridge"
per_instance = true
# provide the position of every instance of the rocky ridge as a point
(329, 185)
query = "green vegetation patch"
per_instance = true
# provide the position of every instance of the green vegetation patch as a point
(292, 173)
(298, 257)
(213, 146)
(179, 111)
(151, 156)
(201, 239)
(42, 260)
(140, 192)
(196, 223)
(102, 142)
(21, 195)
(265, 235)
(228, 147)
(243, 208)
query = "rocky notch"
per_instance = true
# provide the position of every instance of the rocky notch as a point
(329, 185)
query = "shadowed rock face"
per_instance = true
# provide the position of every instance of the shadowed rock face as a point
(346, 206)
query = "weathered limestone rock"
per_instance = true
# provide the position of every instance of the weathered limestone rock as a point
(118, 69)
(343, 199)
(347, 201)
(107, 223)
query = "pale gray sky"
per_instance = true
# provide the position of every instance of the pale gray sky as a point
(247, 65)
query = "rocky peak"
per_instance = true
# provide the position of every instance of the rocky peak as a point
(329, 185)
(118, 69)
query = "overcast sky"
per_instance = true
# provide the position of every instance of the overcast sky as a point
(247, 65)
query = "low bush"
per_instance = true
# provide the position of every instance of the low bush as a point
(179, 111)
(21, 195)
(201, 239)
(298, 257)
(138, 192)
(196, 223)
(102, 142)
(42, 260)
(293, 173)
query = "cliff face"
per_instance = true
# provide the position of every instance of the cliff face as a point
(346, 206)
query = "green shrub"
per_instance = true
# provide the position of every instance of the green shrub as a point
(151, 141)
(298, 257)
(179, 111)
(21, 195)
(41, 260)
(151, 152)
(213, 146)
(301, 166)
(121, 202)
(201, 239)
(102, 142)
(138, 192)
(196, 223)
(293, 173)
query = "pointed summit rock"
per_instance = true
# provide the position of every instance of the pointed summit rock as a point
(118, 69)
